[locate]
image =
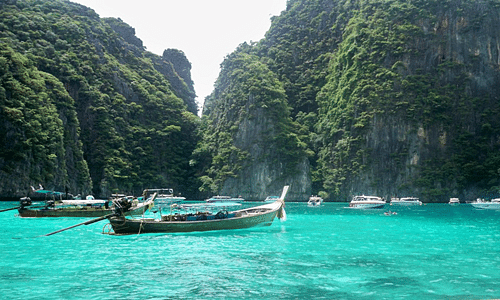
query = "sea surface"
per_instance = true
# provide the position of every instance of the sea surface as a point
(433, 251)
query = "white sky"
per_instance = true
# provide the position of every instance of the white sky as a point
(205, 30)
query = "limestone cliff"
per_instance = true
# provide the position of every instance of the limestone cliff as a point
(421, 108)
(250, 138)
(393, 98)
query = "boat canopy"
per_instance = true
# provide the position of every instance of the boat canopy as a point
(83, 202)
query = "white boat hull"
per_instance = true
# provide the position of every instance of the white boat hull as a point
(367, 205)
(486, 205)
(405, 203)
(367, 202)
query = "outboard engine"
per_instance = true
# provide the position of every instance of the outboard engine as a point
(25, 201)
(122, 205)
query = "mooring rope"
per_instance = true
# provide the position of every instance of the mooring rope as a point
(140, 227)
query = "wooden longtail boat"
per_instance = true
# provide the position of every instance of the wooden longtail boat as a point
(81, 211)
(82, 208)
(244, 218)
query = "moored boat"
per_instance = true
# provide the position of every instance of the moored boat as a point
(314, 201)
(407, 201)
(42, 194)
(481, 204)
(454, 201)
(262, 215)
(224, 199)
(367, 202)
(81, 208)
(166, 196)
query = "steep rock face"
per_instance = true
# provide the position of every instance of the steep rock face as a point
(265, 173)
(39, 131)
(180, 78)
(406, 106)
(125, 31)
(429, 128)
(249, 135)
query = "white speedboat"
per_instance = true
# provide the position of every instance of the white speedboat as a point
(166, 196)
(314, 201)
(454, 201)
(367, 202)
(406, 201)
(225, 199)
(481, 204)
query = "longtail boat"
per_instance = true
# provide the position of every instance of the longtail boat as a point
(202, 221)
(82, 208)
(41, 194)
(238, 219)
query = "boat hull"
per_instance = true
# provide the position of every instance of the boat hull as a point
(232, 200)
(405, 203)
(367, 205)
(243, 219)
(486, 205)
(169, 200)
(367, 202)
(83, 212)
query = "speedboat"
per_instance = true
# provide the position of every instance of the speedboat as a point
(454, 201)
(367, 202)
(406, 201)
(166, 196)
(315, 201)
(481, 204)
(225, 199)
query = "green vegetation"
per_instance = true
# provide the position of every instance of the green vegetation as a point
(385, 96)
(369, 80)
(385, 99)
(249, 111)
(133, 131)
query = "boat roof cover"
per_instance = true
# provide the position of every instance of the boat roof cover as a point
(83, 202)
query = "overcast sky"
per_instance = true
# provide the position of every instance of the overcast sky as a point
(205, 30)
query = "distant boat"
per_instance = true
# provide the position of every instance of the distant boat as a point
(224, 199)
(481, 204)
(454, 201)
(166, 196)
(271, 198)
(406, 201)
(367, 202)
(202, 221)
(314, 201)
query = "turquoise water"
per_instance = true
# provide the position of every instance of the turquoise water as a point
(434, 251)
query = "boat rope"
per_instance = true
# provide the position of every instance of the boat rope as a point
(106, 229)
(140, 227)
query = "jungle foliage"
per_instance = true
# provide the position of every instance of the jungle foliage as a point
(346, 64)
(74, 81)
(246, 111)
(386, 96)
